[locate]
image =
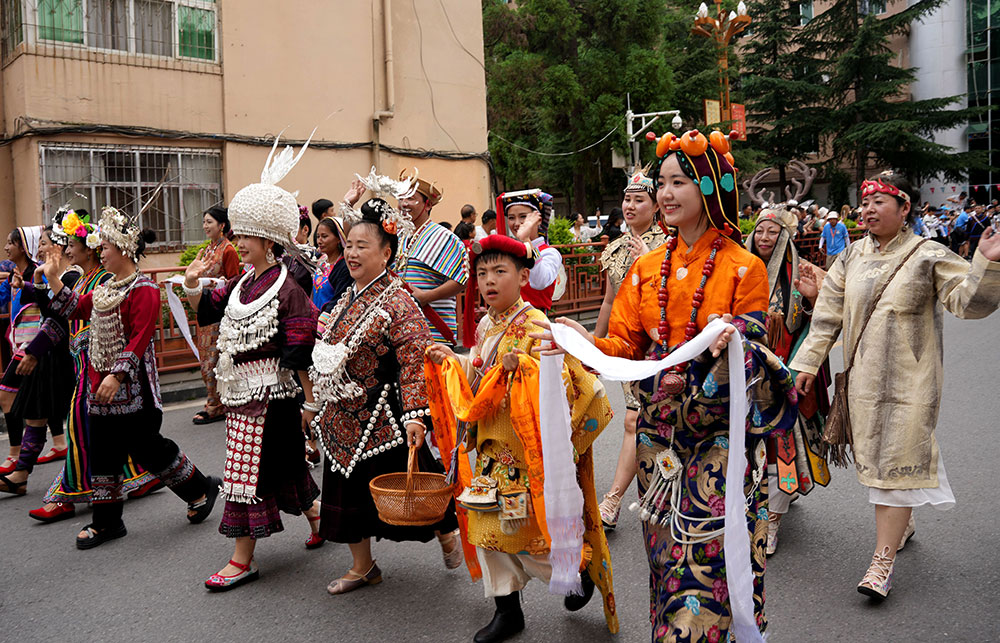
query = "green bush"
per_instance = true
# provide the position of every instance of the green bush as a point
(746, 227)
(559, 233)
(192, 251)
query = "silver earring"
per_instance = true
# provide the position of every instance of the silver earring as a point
(269, 257)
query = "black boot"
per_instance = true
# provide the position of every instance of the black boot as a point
(508, 620)
(573, 602)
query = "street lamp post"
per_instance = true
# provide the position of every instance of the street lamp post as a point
(721, 29)
(647, 121)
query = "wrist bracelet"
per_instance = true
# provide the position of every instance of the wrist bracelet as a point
(191, 292)
(312, 407)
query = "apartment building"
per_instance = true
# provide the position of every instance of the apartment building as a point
(101, 100)
(955, 51)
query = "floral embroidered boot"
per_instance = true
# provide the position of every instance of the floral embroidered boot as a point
(878, 579)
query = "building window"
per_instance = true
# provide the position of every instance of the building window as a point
(126, 176)
(876, 7)
(11, 26)
(169, 28)
(804, 9)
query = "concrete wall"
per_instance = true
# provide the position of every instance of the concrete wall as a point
(281, 65)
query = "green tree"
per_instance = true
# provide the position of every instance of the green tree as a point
(867, 111)
(558, 73)
(781, 86)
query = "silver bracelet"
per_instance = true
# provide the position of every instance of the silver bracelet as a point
(191, 292)
(312, 407)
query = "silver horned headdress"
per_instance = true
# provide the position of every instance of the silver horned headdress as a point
(120, 230)
(385, 188)
(263, 209)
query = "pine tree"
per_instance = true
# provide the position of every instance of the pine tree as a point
(781, 86)
(868, 113)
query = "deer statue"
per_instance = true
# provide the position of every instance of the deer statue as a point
(760, 195)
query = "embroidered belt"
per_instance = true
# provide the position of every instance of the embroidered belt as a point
(256, 381)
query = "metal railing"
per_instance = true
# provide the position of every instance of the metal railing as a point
(584, 294)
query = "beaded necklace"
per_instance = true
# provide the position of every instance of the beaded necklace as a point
(672, 382)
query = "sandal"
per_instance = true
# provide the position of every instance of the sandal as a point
(219, 583)
(347, 584)
(315, 541)
(203, 508)
(202, 417)
(16, 488)
(97, 537)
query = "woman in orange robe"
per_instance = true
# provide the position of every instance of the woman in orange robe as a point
(668, 296)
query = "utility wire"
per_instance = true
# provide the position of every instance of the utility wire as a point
(582, 149)
(37, 127)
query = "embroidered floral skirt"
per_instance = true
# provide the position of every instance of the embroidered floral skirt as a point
(688, 594)
(285, 484)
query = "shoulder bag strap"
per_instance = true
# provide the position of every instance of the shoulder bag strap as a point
(878, 296)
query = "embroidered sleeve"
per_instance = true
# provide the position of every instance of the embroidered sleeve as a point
(49, 335)
(139, 311)
(71, 305)
(212, 305)
(297, 326)
(410, 336)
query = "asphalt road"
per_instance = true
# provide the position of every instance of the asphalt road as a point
(147, 586)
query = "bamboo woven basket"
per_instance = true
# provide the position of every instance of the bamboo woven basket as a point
(413, 498)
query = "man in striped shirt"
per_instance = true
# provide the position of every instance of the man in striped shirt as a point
(433, 262)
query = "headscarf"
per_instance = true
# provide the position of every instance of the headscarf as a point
(707, 162)
(30, 236)
(783, 266)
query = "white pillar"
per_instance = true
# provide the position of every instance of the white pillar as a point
(937, 50)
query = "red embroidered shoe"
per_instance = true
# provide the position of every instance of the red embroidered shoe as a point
(52, 455)
(60, 511)
(8, 465)
(219, 583)
(146, 489)
(315, 541)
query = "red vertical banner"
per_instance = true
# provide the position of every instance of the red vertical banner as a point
(740, 120)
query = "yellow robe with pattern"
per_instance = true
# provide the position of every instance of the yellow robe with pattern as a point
(494, 439)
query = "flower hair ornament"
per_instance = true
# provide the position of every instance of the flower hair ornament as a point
(67, 223)
(877, 185)
(383, 188)
(263, 209)
(708, 162)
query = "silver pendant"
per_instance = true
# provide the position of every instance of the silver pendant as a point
(681, 273)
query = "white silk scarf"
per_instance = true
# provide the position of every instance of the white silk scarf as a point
(736, 542)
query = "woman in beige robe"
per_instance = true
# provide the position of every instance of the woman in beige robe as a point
(894, 390)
